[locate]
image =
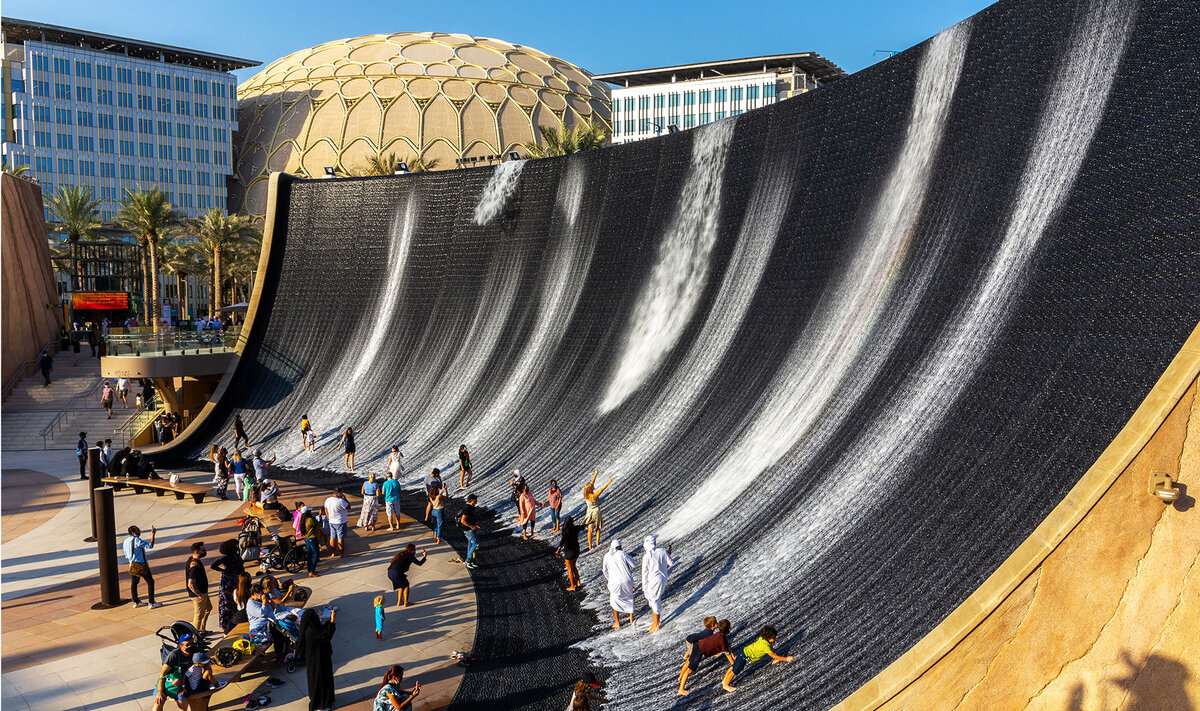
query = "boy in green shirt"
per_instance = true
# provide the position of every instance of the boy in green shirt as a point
(751, 654)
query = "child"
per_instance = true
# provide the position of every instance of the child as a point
(691, 654)
(200, 674)
(379, 617)
(310, 441)
(751, 654)
(554, 501)
(140, 402)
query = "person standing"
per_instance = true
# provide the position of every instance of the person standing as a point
(305, 428)
(230, 566)
(568, 548)
(135, 548)
(310, 531)
(220, 460)
(337, 513)
(316, 640)
(196, 581)
(123, 391)
(527, 512)
(81, 451)
(618, 571)
(554, 502)
(347, 441)
(391, 502)
(106, 454)
(464, 467)
(46, 364)
(591, 499)
(106, 398)
(262, 466)
(470, 530)
(240, 484)
(370, 503)
(239, 432)
(656, 561)
(397, 571)
(395, 462)
(437, 508)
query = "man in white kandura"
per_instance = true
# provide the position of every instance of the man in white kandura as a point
(656, 562)
(618, 571)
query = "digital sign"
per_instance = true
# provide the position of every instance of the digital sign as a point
(100, 300)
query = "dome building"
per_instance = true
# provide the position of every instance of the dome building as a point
(437, 96)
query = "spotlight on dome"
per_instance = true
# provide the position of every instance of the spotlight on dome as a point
(673, 128)
(329, 172)
(513, 155)
(402, 169)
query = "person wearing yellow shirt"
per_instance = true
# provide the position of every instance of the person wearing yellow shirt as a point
(751, 654)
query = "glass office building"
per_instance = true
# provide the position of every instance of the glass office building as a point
(116, 114)
(648, 102)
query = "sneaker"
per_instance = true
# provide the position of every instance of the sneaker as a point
(221, 684)
(136, 603)
(470, 565)
(275, 683)
(155, 605)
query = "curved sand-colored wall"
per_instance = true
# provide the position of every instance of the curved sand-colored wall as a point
(31, 312)
(1109, 618)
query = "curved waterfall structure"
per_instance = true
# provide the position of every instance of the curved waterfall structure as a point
(845, 353)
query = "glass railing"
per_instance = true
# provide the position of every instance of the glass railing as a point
(171, 343)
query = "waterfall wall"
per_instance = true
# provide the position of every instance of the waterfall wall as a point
(845, 352)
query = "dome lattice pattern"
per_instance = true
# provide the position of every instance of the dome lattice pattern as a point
(433, 95)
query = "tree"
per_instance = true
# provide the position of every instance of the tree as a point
(179, 258)
(242, 265)
(217, 232)
(77, 213)
(20, 171)
(561, 141)
(389, 163)
(149, 217)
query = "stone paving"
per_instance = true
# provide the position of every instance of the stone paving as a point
(58, 653)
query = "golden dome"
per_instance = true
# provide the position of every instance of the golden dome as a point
(428, 94)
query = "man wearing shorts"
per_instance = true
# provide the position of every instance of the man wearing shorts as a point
(391, 502)
(337, 513)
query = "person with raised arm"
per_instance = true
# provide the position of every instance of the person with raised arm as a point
(591, 498)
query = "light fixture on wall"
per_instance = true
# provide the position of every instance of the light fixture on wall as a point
(402, 169)
(329, 172)
(1162, 486)
(513, 155)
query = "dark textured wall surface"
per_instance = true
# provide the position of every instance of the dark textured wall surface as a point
(31, 312)
(844, 353)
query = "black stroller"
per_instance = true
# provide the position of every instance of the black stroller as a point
(170, 636)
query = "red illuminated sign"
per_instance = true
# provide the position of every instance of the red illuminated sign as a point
(100, 300)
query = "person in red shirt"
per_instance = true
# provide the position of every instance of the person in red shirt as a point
(706, 646)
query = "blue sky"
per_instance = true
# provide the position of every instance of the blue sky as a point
(601, 37)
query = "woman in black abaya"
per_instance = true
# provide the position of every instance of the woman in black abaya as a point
(315, 640)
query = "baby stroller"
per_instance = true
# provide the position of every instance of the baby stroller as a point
(290, 630)
(284, 554)
(170, 636)
(250, 538)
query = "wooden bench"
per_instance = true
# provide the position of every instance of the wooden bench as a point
(160, 487)
(200, 700)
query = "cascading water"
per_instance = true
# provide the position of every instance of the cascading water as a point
(834, 338)
(498, 191)
(669, 299)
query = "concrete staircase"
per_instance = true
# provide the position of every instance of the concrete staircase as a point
(32, 406)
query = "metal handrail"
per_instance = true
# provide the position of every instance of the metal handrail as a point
(129, 426)
(59, 418)
(19, 374)
(178, 342)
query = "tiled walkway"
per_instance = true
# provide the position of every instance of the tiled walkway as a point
(58, 653)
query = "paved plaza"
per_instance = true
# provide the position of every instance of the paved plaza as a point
(59, 653)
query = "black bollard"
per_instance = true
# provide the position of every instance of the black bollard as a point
(106, 548)
(95, 473)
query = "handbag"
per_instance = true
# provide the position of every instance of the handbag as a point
(141, 570)
(174, 479)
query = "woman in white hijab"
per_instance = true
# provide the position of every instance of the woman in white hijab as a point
(655, 564)
(618, 571)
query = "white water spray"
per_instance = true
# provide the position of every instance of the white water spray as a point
(402, 232)
(668, 301)
(498, 191)
(839, 330)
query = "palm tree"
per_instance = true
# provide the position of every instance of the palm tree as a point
(179, 258)
(149, 217)
(217, 232)
(20, 171)
(561, 141)
(77, 213)
(242, 265)
(389, 163)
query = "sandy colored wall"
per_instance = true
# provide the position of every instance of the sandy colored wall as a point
(1109, 619)
(32, 315)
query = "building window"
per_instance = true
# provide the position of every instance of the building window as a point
(704, 118)
(673, 100)
(689, 120)
(769, 92)
(752, 93)
(689, 98)
(720, 96)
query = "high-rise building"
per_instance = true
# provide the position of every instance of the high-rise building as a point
(648, 102)
(116, 114)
